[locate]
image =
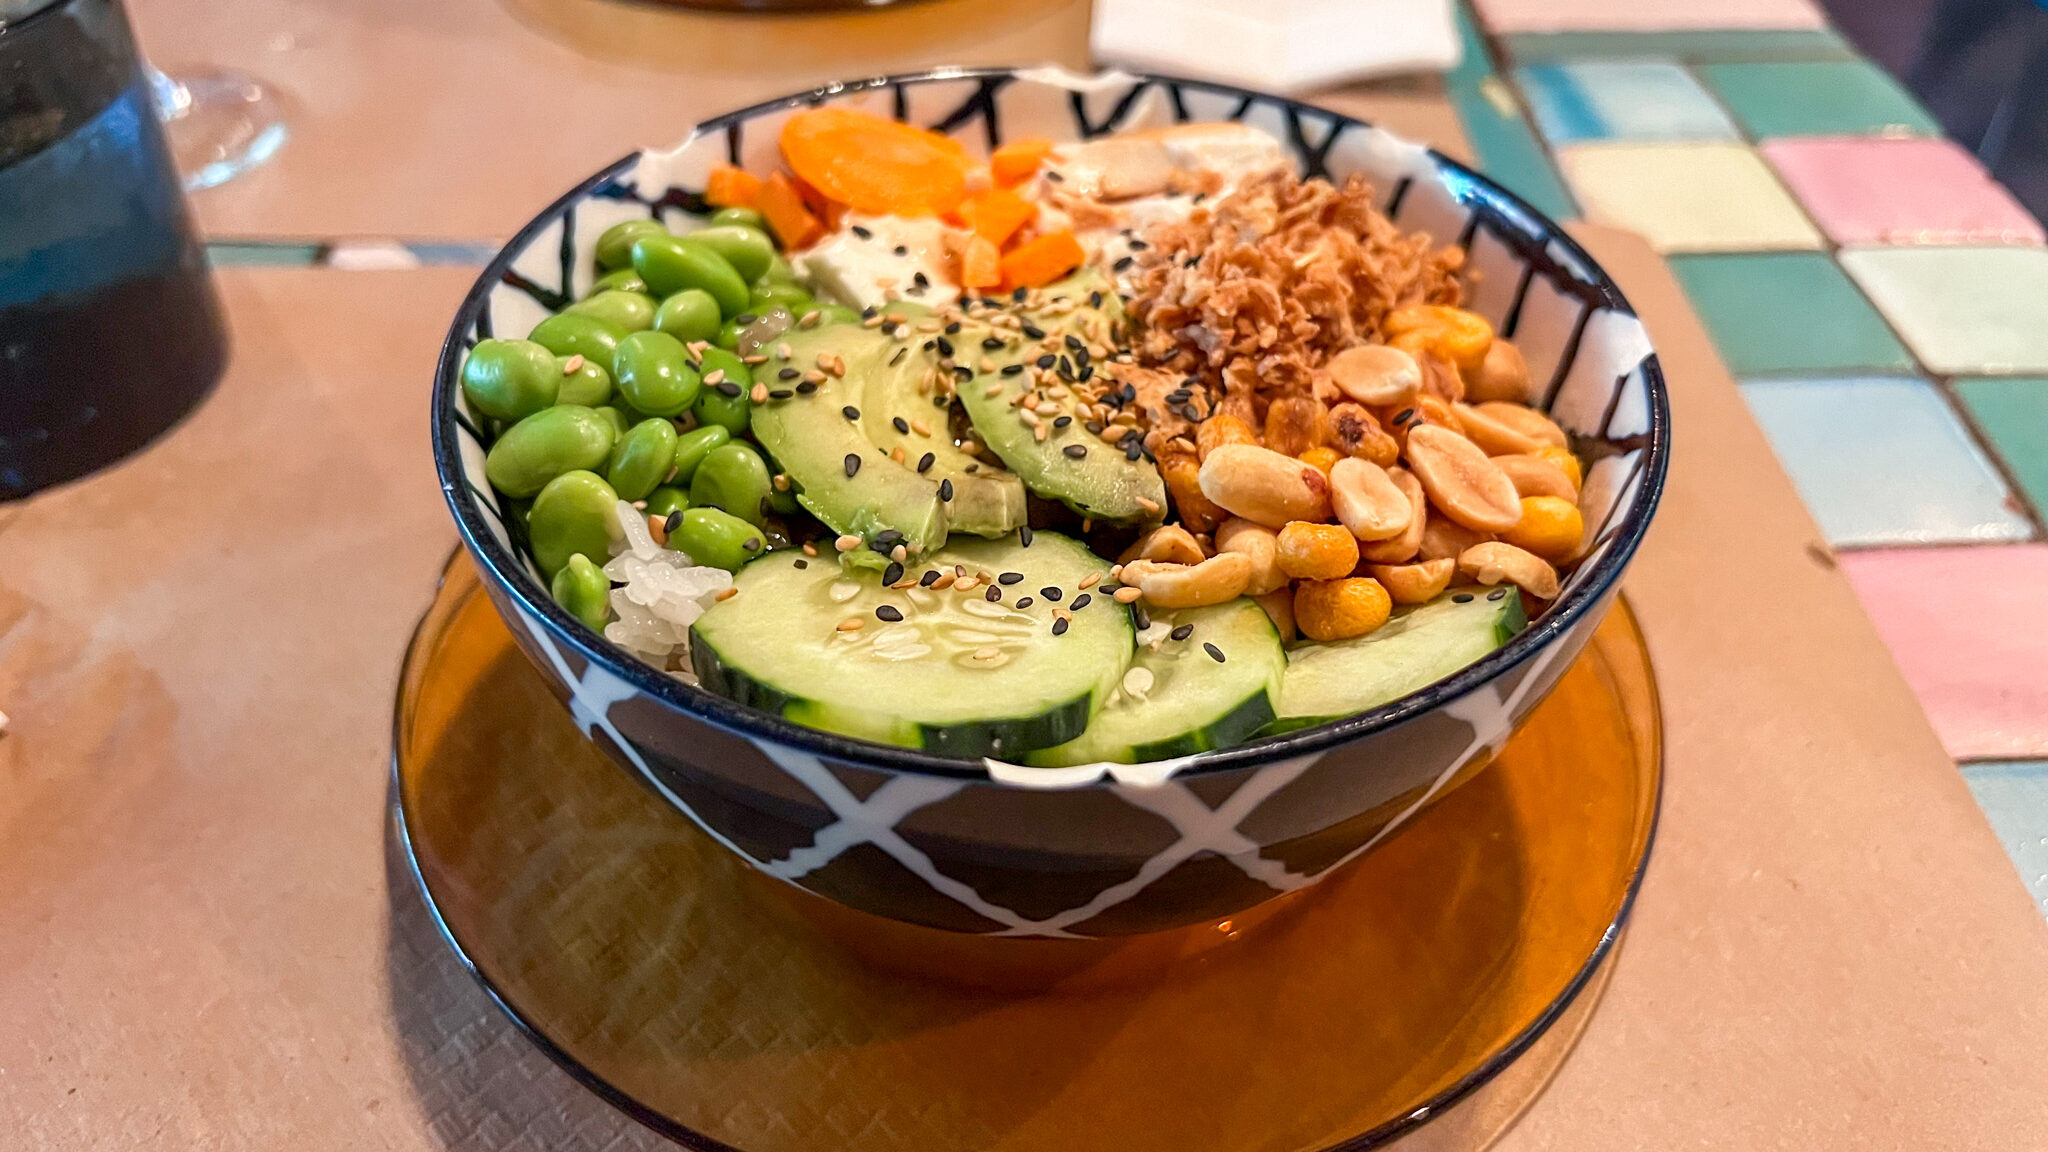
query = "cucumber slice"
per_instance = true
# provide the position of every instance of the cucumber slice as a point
(1416, 648)
(1177, 699)
(957, 675)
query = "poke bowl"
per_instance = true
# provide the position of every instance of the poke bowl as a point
(1049, 506)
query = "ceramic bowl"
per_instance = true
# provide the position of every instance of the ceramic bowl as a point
(988, 848)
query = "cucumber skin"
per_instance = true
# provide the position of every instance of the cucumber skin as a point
(1237, 726)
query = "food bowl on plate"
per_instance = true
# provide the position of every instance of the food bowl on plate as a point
(1001, 828)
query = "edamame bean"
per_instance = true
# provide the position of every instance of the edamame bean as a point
(626, 311)
(617, 419)
(775, 293)
(545, 445)
(576, 512)
(667, 499)
(735, 478)
(642, 458)
(728, 407)
(693, 446)
(719, 539)
(589, 385)
(669, 265)
(747, 249)
(578, 334)
(737, 215)
(615, 244)
(584, 591)
(510, 379)
(652, 371)
(688, 315)
(624, 280)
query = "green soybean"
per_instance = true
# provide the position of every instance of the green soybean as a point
(669, 265)
(584, 591)
(774, 293)
(667, 499)
(615, 244)
(719, 539)
(733, 477)
(617, 419)
(727, 407)
(589, 385)
(736, 215)
(747, 249)
(510, 379)
(578, 334)
(624, 280)
(652, 371)
(691, 314)
(626, 311)
(576, 512)
(547, 444)
(642, 458)
(693, 446)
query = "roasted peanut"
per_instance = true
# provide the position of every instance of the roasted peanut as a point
(1534, 475)
(1279, 606)
(1440, 379)
(1168, 542)
(1376, 374)
(1494, 562)
(1322, 458)
(1294, 424)
(1493, 437)
(1444, 537)
(1367, 503)
(1182, 472)
(1257, 543)
(1462, 483)
(1219, 578)
(1415, 583)
(1340, 609)
(1355, 431)
(1551, 528)
(1568, 464)
(1526, 420)
(1504, 375)
(1316, 551)
(1222, 428)
(1396, 549)
(1459, 336)
(1262, 485)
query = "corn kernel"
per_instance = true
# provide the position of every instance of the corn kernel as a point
(1308, 551)
(1550, 528)
(1321, 458)
(1566, 462)
(1340, 609)
(1220, 429)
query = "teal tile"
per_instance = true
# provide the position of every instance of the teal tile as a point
(262, 254)
(1695, 46)
(2014, 796)
(1787, 312)
(1963, 311)
(1583, 100)
(2012, 413)
(1502, 143)
(1884, 460)
(1817, 98)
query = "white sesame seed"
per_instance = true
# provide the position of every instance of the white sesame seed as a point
(572, 365)
(847, 543)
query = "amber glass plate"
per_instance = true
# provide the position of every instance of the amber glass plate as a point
(1424, 996)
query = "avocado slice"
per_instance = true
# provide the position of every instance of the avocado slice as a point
(840, 475)
(1071, 464)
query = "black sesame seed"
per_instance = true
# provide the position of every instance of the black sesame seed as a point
(1047, 360)
(1496, 594)
(1012, 369)
(870, 312)
(788, 374)
(850, 412)
(921, 280)
(1075, 342)
(852, 463)
(751, 544)
(888, 538)
(1095, 299)
(962, 373)
(1182, 632)
(1214, 652)
(1075, 451)
(1139, 245)
(994, 594)
(900, 250)
(1033, 332)
(674, 521)
(945, 347)
(925, 462)
(992, 342)
(901, 425)
(892, 573)
(1010, 577)
(1020, 294)
(801, 564)
(1059, 627)
(1094, 427)
(1087, 374)
(863, 233)
(1054, 176)
(1402, 416)
(729, 389)
(1082, 601)
(898, 357)
(1024, 536)
(889, 612)
(807, 387)
(1051, 593)
(1132, 448)
(780, 393)
(1123, 263)
(1199, 197)
(946, 490)
(1140, 617)
(928, 345)
(953, 329)
(1062, 421)
(1462, 598)
(925, 581)
(878, 548)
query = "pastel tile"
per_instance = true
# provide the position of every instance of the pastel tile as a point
(1963, 311)
(2012, 413)
(2014, 797)
(1500, 138)
(1885, 190)
(1883, 460)
(1687, 197)
(1816, 98)
(1964, 625)
(1696, 45)
(1774, 313)
(1621, 100)
(1503, 16)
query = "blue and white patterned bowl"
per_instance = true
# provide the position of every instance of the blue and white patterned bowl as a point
(992, 849)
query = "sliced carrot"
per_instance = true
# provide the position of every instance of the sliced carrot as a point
(997, 214)
(981, 266)
(1013, 163)
(778, 202)
(1038, 262)
(731, 187)
(875, 165)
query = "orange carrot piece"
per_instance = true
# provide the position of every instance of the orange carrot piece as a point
(1014, 163)
(778, 202)
(1038, 262)
(731, 187)
(981, 266)
(875, 165)
(997, 214)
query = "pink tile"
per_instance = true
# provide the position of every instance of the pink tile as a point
(1969, 628)
(1880, 190)
(1646, 15)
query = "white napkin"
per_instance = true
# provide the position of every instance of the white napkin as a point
(1276, 45)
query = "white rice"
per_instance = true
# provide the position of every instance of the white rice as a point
(663, 593)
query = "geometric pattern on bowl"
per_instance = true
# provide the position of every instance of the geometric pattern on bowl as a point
(1103, 850)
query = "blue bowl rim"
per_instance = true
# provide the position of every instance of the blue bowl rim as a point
(501, 566)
